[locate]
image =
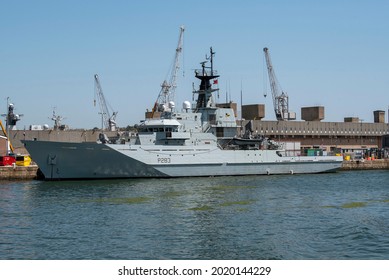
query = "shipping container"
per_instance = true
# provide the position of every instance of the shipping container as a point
(7, 160)
(23, 160)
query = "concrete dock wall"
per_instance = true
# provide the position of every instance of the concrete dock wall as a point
(18, 172)
(366, 164)
(77, 135)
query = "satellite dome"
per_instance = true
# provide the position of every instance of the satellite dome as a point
(186, 105)
(162, 107)
(171, 105)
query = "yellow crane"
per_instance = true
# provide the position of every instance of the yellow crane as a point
(6, 135)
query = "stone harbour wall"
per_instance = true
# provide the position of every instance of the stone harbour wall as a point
(365, 164)
(18, 172)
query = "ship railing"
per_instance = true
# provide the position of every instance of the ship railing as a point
(226, 123)
(201, 73)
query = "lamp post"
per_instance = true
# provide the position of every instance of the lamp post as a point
(8, 147)
(362, 153)
(7, 124)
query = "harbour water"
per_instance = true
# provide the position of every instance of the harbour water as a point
(335, 216)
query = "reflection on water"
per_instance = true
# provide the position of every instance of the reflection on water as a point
(327, 216)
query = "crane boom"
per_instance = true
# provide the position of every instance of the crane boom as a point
(11, 148)
(168, 88)
(280, 98)
(109, 120)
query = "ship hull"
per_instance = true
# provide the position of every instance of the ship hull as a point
(61, 161)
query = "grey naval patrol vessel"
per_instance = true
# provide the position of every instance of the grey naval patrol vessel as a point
(200, 140)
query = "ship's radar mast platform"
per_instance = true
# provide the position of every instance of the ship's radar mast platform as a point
(205, 75)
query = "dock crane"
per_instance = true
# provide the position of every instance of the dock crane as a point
(10, 148)
(10, 121)
(108, 119)
(165, 97)
(280, 98)
(57, 121)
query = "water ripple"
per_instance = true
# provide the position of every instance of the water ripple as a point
(326, 216)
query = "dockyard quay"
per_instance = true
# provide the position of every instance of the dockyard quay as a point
(30, 172)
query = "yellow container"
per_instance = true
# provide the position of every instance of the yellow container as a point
(347, 157)
(23, 160)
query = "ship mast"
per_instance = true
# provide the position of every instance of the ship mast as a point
(205, 75)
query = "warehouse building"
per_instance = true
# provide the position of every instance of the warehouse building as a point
(352, 136)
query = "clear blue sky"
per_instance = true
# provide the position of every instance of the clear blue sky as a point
(329, 53)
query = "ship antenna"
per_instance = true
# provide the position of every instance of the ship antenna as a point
(210, 58)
